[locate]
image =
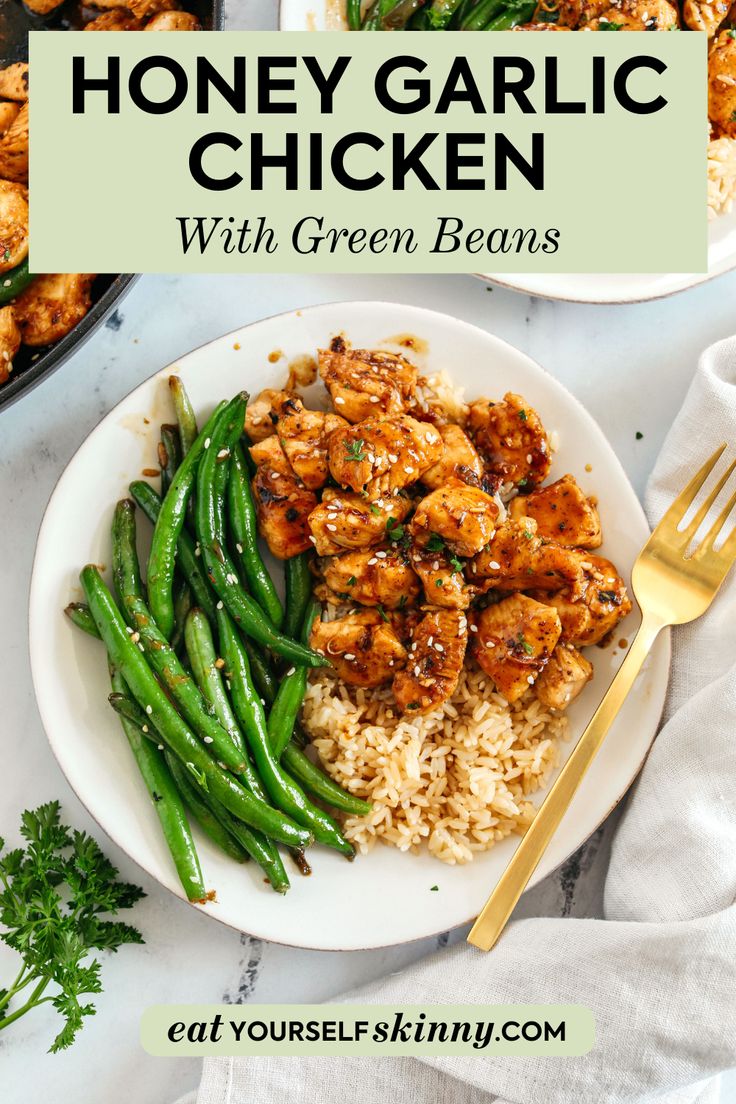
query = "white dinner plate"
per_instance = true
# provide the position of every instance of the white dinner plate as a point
(576, 287)
(386, 897)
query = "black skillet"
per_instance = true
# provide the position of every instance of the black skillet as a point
(31, 366)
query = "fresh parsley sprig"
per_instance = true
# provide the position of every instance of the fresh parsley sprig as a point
(52, 895)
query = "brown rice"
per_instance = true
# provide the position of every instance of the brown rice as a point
(457, 780)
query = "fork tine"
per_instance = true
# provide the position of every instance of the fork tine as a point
(706, 545)
(679, 507)
(702, 513)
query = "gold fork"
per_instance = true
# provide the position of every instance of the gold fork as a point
(671, 589)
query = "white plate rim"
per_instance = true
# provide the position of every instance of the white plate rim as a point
(34, 623)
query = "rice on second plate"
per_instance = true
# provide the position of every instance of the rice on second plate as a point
(457, 780)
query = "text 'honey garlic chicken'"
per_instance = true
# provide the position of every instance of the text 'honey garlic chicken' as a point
(513, 641)
(562, 513)
(303, 433)
(363, 648)
(597, 607)
(383, 455)
(518, 559)
(459, 458)
(462, 517)
(344, 520)
(564, 678)
(434, 662)
(511, 439)
(376, 577)
(283, 503)
(364, 383)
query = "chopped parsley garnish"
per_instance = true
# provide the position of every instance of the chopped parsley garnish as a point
(413, 705)
(394, 529)
(610, 26)
(200, 776)
(6, 255)
(354, 449)
(522, 483)
(608, 595)
(456, 564)
(731, 34)
(382, 612)
(639, 435)
(733, 116)
(433, 889)
(522, 415)
(528, 534)
(438, 582)
(351, 581)
(375, 509)
(435, 543)
(402, 601)
(524, 643)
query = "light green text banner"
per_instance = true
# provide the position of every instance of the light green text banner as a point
(209, 1030)
(267, 152)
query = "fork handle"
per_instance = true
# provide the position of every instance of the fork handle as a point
(499, 906)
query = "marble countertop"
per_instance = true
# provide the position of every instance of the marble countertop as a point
(629, 365)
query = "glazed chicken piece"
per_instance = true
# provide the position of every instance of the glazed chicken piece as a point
(14, 82)
(518, 559)
(14, 149)
(173, 21)
(344, 520)
(283, 503)
(303, 433)
(562, 513)
(722, 84)
(51, 306)
(13, 224)
(365, 383)
(376, 577)
(42, 7)
(116, 20)
(456, 516)
(382, 455)
(638, 15)
(513, 641)
(603, 602)
(9, 341)
(442, 578)
(703, 15)
(459, 458)
(512, 440)
(141, 9)
(564, 677)
(8, 114)
(434, 662)
(363, 648)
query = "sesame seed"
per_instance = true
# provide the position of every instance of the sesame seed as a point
(232, 579)
(275, 475)
(128, 630)
(494, 566)
(160, 747)
(149, 710)
(530, 679)
(393, 458)
(219, 605)
(473, 628)
(313, 540)
(381, 555)
(135, 637)
(332, 528)
(240, 549)
(409, 471)
(373, 399)
(6, 354)
(438, 648)
(207, 739)
(291, 671)
(197, 551)
(339, 401)
(489, 643)
(141, 647)
(417, 671)
(372, 561)
(390, 663)
(256, 419)
(528, 458)
(223, 453)
(207, 442)
(435, 565)
(429, 642)
(349, 656)
(6, 283)
(144, 728)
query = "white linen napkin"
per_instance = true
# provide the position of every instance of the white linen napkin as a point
(659, 968)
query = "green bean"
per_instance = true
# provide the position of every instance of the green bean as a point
(354, 15)
(314, 779)
(184, 414)
(204, 816)
(166, 533)
(244, 528)
(169, 455)
(14, 281)
(203, 658)
(182, 606)
(80, 616)
(285, 709)
(187, 559)
(166, 802)
(282, 790)
(172, 728)
(298, 592)
(514, 14)
(477, 17)
(253, 843)
(261, 670)
(220, 568)
(126, 572)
